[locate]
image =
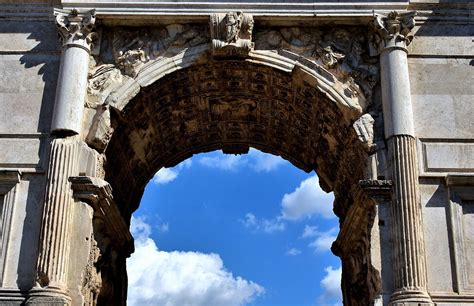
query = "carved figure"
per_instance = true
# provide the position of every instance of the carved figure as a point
(339, 50)
(231, 34)
(328, 56)
(233, 23)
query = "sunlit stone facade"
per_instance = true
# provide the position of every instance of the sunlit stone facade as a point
(375, 97)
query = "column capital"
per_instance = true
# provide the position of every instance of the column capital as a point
(392, 31)
(75, 27)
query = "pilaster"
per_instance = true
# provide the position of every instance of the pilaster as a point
(392, 34)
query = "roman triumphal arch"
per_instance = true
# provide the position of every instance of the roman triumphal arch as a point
(373, 97)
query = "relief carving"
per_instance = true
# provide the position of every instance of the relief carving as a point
(92, 281)
(393, 30)
(341, 51)
(231, 34)
(364, 127)
(125, 52)
(102, 81)
(133, 48)
(75, 27)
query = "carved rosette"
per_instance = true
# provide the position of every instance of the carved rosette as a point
(392, 31)
(231, 34)
(75, 28)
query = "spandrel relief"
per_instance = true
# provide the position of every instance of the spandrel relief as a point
(344, 52)
(132, 48)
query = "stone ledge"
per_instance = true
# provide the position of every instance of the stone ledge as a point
(98, 194)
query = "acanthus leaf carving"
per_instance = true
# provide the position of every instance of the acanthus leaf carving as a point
(76, 27)
(231, 34)
(393, 30)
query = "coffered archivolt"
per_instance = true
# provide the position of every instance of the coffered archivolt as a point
(303, 93)
(335, 60)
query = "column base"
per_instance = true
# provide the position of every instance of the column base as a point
(48, 296)
(410, 298)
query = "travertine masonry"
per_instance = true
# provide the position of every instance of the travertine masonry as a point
(373, 96)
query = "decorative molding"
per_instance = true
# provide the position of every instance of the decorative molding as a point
(76, 27)
(459, 180)
(98, 194)
(379, 190)
(392, 31)
(8, 184)
(440, 157)
(34, 149)
(9, 295)
(144, 10)
(231, 34)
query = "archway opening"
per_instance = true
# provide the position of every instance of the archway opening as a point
(220, 229)
(232, 105)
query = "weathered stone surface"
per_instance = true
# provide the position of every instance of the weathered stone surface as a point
(27, 82)
(166, 81)
(226, 105)
(22, 36)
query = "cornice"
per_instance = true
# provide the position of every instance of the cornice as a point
(30, 12)
(123, 11)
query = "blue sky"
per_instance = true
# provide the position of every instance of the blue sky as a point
(234, 230)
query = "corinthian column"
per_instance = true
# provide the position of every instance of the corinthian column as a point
(392, 35)
(53, 253)
(75, 30)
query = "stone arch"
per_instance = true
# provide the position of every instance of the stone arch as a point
(232, 105)
(156, 96)
(334, 70)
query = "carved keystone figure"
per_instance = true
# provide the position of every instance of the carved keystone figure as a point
(231, 34)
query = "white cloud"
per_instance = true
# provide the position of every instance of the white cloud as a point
(254, 160)
(309, 231)
(263, 162)
(293, 252)
(307, 200)
(225, 162)
(181, 278)
(323, 240)
(266, 225)
(331, 285)
(166, 175)
(323, 243)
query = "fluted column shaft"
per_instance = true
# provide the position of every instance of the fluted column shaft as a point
(407, 226)
(54, 240)
(410, 280)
